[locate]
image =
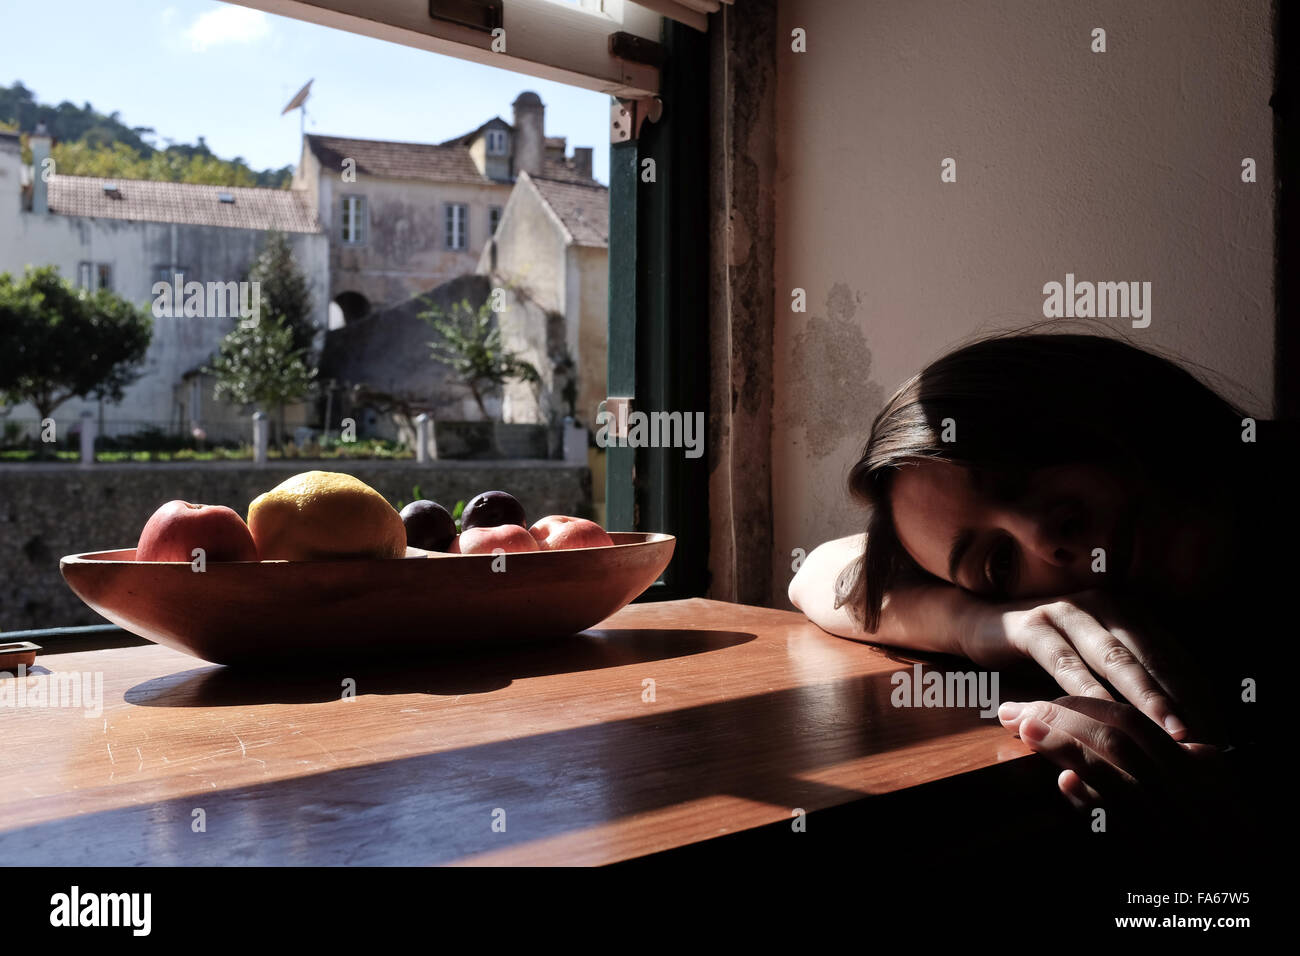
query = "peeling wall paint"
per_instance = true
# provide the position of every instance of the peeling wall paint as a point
(830, 369)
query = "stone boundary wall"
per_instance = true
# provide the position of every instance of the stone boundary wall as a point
(48, 511)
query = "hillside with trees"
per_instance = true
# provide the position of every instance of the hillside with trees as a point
(90, 143)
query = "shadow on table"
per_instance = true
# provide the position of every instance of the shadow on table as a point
(477, 672)
(441, 806)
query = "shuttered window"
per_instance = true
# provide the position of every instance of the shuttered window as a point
(457, 226)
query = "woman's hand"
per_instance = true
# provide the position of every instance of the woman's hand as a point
(1084, 641)
(1086, 644)
(1112, 754)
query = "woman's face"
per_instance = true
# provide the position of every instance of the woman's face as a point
(1016, 537)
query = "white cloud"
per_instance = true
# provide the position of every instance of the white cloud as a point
(228, 24)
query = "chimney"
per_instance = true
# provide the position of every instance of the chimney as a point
(39, 142)
(530, 138)
(582, 160)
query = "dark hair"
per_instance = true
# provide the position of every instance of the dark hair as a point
(1024, 400)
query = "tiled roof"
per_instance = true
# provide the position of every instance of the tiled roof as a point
(565, 173)
(447, 162)
(389, 160)
(464, 139)
(584, 210)
(189, 203)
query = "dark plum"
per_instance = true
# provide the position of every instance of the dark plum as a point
(492, 509)
(428, 525)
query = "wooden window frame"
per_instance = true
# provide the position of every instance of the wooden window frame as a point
(658, 313)
(449, 222)
(358, 219)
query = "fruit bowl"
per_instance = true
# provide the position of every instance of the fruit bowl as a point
(249, 612)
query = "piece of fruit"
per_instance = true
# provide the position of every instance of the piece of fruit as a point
(178, 527)
(510, 538)
(428, 525)
(325, 514)
(492, 509)
(560, 532)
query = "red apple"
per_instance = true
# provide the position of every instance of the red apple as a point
(559, 532)
(510, 538)
(178, 527)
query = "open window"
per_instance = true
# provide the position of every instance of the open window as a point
(651, 57)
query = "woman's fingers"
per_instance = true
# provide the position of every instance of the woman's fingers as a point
(1105, 756)
(1080, 652)
(1125, 719)
(1194, 767)
(1116, 656)
(1080, 795)
(1038, 636)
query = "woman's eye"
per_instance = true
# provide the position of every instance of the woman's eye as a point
(999, 565)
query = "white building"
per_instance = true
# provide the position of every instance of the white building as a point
(404, 218)
(129, 234)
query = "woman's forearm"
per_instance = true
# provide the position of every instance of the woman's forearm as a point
(925, 617)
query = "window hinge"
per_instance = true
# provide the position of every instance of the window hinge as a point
(628, 116)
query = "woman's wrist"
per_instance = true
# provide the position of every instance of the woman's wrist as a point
(983, 628)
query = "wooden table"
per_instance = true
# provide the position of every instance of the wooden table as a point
(668, 725)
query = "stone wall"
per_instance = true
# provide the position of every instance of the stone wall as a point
(48, 511)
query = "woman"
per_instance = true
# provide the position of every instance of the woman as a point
(1093, 507)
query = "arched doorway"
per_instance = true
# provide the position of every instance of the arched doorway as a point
(352, 305)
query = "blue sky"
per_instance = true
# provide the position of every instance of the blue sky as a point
(193, 68)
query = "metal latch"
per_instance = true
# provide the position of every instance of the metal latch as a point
(620, 410)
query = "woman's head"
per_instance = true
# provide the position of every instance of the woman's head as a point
(1018, 466)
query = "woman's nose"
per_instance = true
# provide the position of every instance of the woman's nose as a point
(1054, 536)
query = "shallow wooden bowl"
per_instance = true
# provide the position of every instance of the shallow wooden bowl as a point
(247, 612)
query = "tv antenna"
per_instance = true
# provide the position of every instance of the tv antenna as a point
(299, 102)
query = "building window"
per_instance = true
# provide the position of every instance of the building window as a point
(94, 276)
(494, 218)
(353, 219)
(496, 142)
(457, 226)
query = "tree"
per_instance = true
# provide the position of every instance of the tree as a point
(59, 342)
(88, 143)
(471, 347)
(284, 289)
(258, 365)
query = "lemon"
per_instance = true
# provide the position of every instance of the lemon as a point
(325, 514)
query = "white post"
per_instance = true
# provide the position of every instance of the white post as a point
(575, 441)
(88, 429)
(260, 435)
(422, 437)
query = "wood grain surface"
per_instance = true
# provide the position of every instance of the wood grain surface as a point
(755, 713)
